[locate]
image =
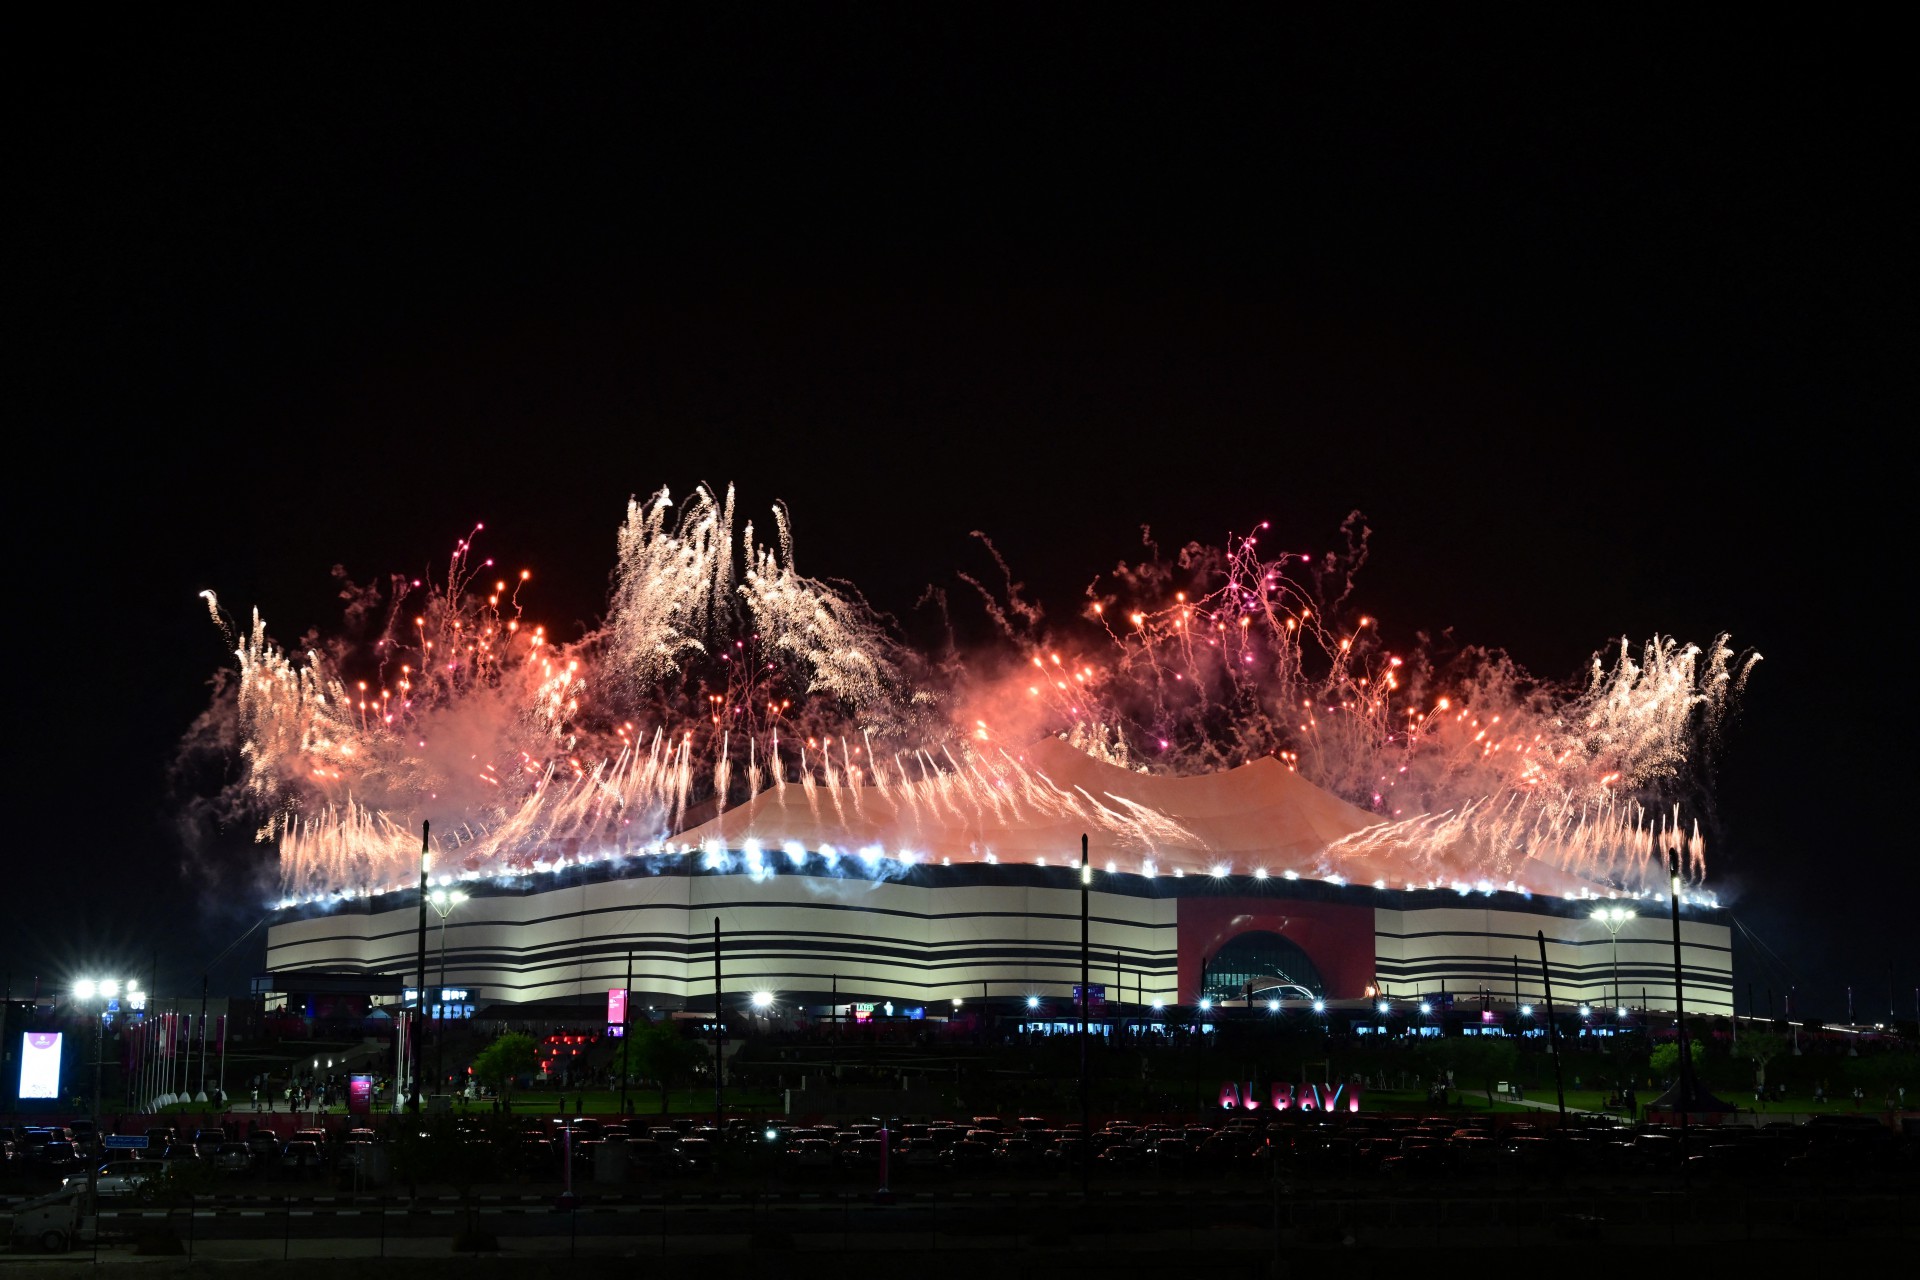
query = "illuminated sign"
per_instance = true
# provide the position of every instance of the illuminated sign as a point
(441, 995)
(1285, 1097)
(617, 1007)
(359, 1095)
(40, 1064)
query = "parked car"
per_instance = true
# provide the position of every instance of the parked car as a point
(810, 1153)
(969, 1155)
(699, 1154)
(1017, 1154)
(300, 1157)
(58, 1154)
(656, 1159)
(118, 1177)
(233, 1157)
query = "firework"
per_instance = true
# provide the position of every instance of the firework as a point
(730, 705)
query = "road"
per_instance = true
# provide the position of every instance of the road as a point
(1217, 1221)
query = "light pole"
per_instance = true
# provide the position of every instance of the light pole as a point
(86, 990)
(443, 901)
(1680, 1005)
(420, 980)
(1614, 918)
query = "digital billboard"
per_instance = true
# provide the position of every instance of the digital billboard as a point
(40, 1064)
(617, 1010)
(359, 1095)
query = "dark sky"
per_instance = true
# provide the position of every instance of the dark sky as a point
(1606, 328)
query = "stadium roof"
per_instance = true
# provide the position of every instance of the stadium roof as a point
(1259, 816)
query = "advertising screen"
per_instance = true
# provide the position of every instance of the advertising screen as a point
(359, 1095)
(40, 1064)
(617, 1007)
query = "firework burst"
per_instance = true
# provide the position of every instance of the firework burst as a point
(722, 674)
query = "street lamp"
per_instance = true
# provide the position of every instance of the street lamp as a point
(85, 991)
(443, 901)
(1613, 918)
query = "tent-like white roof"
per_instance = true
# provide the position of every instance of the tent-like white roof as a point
(1034, 805)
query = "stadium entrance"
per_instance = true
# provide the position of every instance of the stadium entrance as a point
(1261, 965)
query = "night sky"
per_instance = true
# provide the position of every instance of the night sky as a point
(1606, 328)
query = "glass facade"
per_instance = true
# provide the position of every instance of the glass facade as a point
(1275, 966)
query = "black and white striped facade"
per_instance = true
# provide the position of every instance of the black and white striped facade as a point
(924, 934)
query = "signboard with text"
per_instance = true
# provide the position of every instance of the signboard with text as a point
(40, 1064)
(359, 1095)
(617, 1007)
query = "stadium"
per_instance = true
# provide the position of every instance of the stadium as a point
(1230, 887)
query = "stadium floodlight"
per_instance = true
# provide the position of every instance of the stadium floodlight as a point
(1526, 1011)
(1425, 1007)
(1614, 919)
(1033, 1002)
(1159, 1004)
(1384, 1007)
(763, 999)
(1319, 1006)
(1586, 1011)
(85, 988)
(1206, 1004)
(109, 988)
(1273, 1006)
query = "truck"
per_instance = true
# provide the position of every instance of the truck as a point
(55, 1223)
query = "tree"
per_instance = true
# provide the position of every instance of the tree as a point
(1479, 1062)
(1760, 1047)
(1665, 1059)
(657, 1052)
(504, 1061)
